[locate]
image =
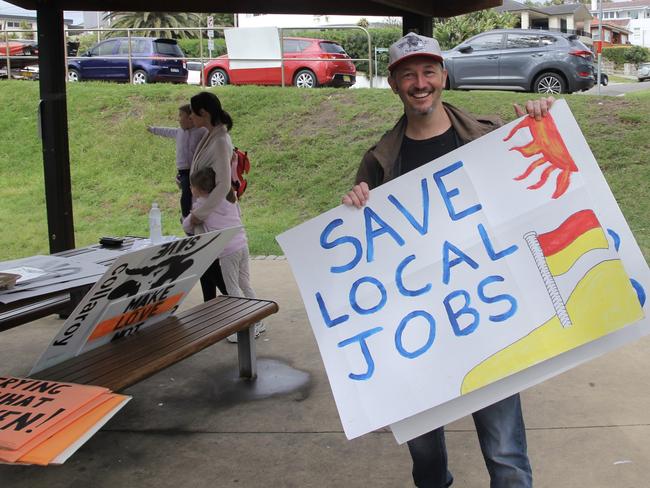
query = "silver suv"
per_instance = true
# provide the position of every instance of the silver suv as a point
(520, 59)
(644, 72)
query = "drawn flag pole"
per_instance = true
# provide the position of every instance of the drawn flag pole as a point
(547, 278)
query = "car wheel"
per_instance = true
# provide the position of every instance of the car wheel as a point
(549, 83)
(604, 79)
(139, 77)
(73, 75)
(305, 79)
(218, 77)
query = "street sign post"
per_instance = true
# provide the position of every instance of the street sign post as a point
(210, 35)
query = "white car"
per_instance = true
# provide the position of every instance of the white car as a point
(644, 72)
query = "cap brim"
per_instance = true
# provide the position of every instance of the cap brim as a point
(413, 55)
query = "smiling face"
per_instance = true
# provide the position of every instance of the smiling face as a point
(419, 82)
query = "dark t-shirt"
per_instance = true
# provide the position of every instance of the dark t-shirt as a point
(415, 153)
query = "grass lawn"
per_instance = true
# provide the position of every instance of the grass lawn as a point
(305, 146)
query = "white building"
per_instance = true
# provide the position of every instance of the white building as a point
(636, 12)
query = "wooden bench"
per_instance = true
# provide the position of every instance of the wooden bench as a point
(128, 360)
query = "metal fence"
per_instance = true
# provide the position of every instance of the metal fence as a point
(202, 59)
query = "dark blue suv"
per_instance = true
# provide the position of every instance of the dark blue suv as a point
(153, 60)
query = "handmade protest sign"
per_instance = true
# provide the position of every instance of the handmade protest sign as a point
(484, 264)
(30, 407)
(44, 422)
(139, 290)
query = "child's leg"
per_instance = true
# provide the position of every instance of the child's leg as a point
(245, 285)
(230, 272)
(218, 278)
(231, 269)
(245, 275)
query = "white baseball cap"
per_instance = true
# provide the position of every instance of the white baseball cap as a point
(411, 45)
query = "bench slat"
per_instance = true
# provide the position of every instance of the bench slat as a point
(131, 359)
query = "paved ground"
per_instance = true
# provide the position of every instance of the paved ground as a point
(197, 425)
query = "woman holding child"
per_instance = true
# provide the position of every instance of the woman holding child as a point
(214, 151)
(214, 203)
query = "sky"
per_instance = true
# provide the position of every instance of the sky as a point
(10, 9)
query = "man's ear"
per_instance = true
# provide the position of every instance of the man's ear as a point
(392, 83)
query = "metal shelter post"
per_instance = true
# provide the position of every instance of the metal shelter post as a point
(53, 119)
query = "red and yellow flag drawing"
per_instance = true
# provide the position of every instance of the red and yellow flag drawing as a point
(577, 235)
(601, 300)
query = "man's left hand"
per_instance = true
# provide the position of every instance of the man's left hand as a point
(535, 108)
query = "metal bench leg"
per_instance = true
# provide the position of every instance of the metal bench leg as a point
(246, 353)
(75, 297)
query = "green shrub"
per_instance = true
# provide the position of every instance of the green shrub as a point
(626, 54)
(192, 48)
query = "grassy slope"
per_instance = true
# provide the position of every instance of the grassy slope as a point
(304, 147)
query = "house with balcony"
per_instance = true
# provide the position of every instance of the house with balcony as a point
(615, 32)
(633, 16)
(572, 18)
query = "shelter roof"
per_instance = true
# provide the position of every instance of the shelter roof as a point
(433, 8)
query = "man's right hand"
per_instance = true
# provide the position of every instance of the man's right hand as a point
(358, 196)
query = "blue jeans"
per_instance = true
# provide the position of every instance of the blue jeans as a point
(502, 436)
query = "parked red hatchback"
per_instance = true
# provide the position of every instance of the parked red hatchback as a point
(302, 67)
(22, 53)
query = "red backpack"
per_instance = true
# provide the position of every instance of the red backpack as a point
(240, 165)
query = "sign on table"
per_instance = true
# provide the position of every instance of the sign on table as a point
(139, 290)
(483, 272)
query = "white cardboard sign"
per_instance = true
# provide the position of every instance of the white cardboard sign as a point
(253, 47)
(490, 269)
(139, 289)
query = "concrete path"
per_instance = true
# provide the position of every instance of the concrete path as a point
(619, 89)
(197, 425)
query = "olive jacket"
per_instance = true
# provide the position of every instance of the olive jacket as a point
(382, 162)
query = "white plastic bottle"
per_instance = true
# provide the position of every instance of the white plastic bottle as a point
(155, 224)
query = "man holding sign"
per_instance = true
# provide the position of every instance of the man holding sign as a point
(430, 129)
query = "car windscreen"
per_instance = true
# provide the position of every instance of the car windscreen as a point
(167, 48)
(332, 47)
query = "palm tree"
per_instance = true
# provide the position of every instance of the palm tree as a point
(151, 22)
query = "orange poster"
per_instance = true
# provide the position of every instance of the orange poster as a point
(11, 456)
(29, 407)
(47, 451)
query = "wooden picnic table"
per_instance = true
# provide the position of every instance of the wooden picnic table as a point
(61, 302)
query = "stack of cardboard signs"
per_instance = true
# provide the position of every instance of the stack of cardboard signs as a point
(45, 422)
